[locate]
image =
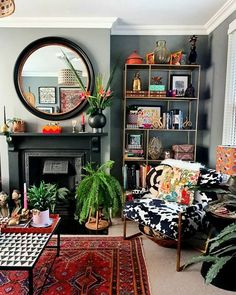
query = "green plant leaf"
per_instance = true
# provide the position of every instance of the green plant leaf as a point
(216, 267)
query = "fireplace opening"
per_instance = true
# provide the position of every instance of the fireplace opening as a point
(63, 169)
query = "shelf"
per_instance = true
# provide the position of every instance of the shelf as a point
(162, 67)
(163, 130)
(152, 107)
(176, 98)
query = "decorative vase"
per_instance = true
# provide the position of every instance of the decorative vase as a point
(97, 121)
(41, 217)
(161, 54)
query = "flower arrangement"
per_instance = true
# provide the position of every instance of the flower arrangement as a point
(101, 96)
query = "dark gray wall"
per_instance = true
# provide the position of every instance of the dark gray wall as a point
(122, 47)
(215, 81)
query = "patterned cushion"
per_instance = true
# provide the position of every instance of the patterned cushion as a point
(153, 178)
(163, 217)
(175, 183)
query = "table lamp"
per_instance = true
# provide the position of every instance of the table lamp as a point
(226, 159)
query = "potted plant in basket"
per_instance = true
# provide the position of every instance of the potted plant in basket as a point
(98, 193)
(98, 101)
(42, 199)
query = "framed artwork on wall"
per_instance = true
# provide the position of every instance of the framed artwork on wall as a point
(69, 98)
(47, 95)
(48, 110)
(179, 83)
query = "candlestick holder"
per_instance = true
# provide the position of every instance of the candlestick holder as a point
(74, 122)
(82, 128)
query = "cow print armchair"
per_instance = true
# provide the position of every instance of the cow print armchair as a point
(173, 209)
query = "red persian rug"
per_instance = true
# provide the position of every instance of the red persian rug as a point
(86, 266)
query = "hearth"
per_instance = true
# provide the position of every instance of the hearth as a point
(56, 159)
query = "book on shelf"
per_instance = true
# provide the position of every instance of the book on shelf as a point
(134, 176)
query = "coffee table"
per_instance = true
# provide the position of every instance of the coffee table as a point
(20, 248)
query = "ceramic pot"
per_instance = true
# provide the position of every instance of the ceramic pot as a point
(97, 121)
(18, 126)
(134, 58)
(41, 217)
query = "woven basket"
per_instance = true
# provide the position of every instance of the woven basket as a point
(7, 7)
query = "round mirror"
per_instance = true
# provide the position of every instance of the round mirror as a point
(45, 84)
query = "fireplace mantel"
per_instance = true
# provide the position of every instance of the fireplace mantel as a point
(21, 143)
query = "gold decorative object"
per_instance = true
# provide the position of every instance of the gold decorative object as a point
(137, 82)
(154, 148)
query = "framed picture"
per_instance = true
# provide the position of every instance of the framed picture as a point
(47, 95)
(134, 141)
(148, 116)
(69, 98)
(46, 109)
(179, 83)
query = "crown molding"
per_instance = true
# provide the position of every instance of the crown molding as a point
(225, 11)
(58, 22)
(157, 30)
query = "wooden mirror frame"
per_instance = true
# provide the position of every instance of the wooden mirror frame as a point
(22, 58)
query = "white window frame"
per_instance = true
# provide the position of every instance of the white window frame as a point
(229, 125)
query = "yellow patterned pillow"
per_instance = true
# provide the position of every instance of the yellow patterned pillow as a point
(175, 185)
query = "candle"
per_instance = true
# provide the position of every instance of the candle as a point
(25, 197)
(82, 119)
(4, 114)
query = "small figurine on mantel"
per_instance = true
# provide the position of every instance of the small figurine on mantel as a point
(137, 82)
(15, 214)
(16, 197)
(4, 208)
(193, 54)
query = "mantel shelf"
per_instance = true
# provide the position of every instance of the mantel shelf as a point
(66, 134)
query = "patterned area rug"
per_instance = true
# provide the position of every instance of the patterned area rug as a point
(86, 266)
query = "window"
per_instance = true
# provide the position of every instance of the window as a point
(229, 127)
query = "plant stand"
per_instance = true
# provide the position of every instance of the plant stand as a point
(96, 223)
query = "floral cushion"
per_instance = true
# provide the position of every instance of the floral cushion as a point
(175, 185)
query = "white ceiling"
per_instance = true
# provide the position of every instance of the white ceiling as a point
(122, 15)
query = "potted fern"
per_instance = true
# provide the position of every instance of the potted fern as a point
(42, 199)
(98, 193)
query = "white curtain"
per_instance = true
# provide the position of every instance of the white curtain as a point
(229, 127)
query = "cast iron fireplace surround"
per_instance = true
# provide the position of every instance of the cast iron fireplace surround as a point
(29, 153)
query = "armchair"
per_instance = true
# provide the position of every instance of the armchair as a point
(175, 212)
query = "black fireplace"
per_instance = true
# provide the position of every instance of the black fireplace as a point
(56, 159)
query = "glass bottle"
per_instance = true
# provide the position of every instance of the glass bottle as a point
(161, 54)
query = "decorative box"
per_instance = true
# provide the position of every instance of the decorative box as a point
(183, 151)
(183, 148)
(183, 156)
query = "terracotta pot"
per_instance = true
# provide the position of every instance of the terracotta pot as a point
(134, 58)
(18, 126)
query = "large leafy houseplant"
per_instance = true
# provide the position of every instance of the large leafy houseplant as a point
(221, 249)
(97, 189)
(45, 196)
(101, 96)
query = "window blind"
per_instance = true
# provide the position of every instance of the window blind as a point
(229, 126)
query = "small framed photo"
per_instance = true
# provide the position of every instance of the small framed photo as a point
(179, 83)
(48, 110)
(47, 95)
(69, 98)
(134, 141)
